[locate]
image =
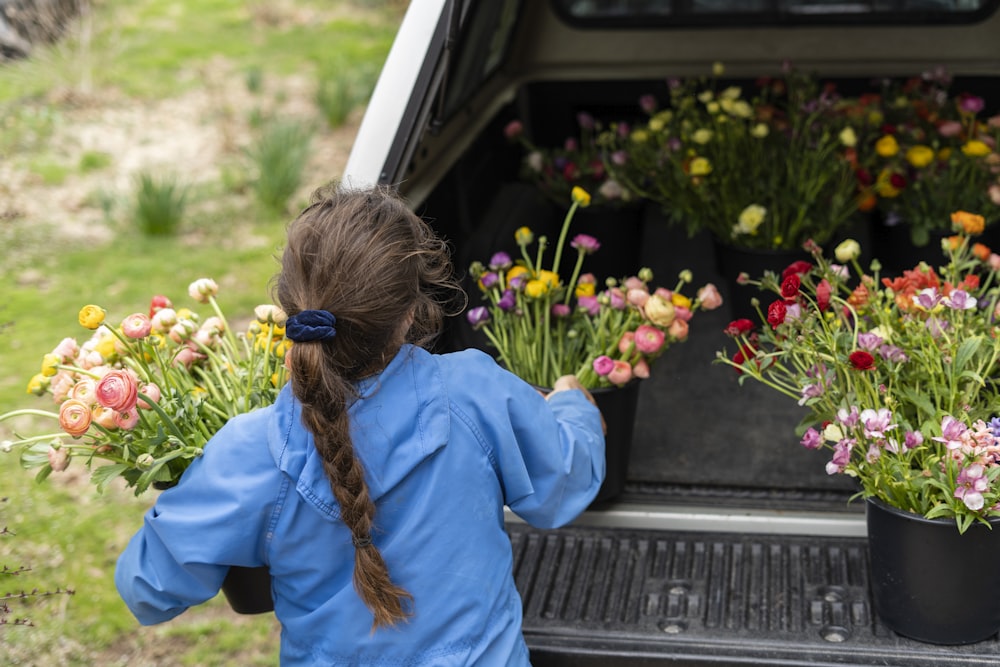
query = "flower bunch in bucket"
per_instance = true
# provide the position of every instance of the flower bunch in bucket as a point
(606, 333)
(144, 395)
(899, 376)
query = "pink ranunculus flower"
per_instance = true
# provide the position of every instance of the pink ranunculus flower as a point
(74, 417)
(635, 282)
(58, 459)
(61, 385)
(163, 319)
(117, 390)
(151, 391)
(649, 339)
(709, 297)
(950, 128)
(678, 329)
(637, 297)
(127, 419)
(67, 349)
(626, 343)
(203, 289)
(640, 369)
(185, 357)
(683, 313)
(182, 331)
(85, 390)
(621, 373)
(617, 298)
(590, 304)
(216, 324)
(137, 326)
(104, 417)
(603, 365)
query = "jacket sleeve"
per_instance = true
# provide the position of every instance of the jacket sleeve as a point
(549, 454)
(212, 519)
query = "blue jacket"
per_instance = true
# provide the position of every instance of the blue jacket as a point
(446, 441)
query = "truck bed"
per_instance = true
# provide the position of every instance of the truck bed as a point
(693, 591)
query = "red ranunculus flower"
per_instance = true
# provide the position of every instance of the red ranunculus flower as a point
(790, 286)
(739, 327)
(797, 267)
(776, 313)
(862, 361)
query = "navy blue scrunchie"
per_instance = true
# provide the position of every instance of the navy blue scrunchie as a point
(310, 325)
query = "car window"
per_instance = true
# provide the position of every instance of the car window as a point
(680, 13)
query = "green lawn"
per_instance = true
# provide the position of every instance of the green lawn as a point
(137, 51)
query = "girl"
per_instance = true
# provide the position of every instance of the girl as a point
(373, 489)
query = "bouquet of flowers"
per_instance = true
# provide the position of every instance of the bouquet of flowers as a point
(543, 327)
(766, 172)
(145, 395)
(899, 375)
(932, 155)
(579, 162)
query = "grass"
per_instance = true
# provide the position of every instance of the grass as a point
(133, 52)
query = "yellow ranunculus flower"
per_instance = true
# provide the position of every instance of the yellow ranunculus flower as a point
(536, 289)
(750, 219)
(91, 316)
(106, 346)
(524, 236)
(883, 185)
(847, 250)
(700, 166)
(702, 136)
(706, 96)
(550, 278)
(664, 116)
(585, 289)
(38, 384)
(186, 314)
(742, 109)
(679, 299)
(712, 107)
(760, 130)
(580, 196)
(887, 146)
(640, 136)
(944, 154)
(848, 137)
(919, 156)
(718, 69)
(49, 363)
(514, 272)
(975, 148)
(656, 124)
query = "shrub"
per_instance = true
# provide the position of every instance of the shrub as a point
(159, 204)
(280, 155)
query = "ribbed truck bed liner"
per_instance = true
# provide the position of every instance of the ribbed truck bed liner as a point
(619, 597)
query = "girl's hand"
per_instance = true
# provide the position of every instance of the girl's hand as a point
(568, 382)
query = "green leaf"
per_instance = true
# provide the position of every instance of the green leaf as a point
(102, 475)
(965, 352)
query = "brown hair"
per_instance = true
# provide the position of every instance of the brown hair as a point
(365, 257)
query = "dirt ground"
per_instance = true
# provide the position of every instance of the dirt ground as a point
(194, 137)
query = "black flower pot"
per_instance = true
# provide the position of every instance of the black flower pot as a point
(248, 590)
(931, 583)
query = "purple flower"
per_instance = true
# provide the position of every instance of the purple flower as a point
(848, 419)
(971, 104)
(588, 244)
(812, 439)
(869, 341)
(619, 158)
(585, 120)
(913, 439)
(507, 301)
(841, 456)
(478, 316)
(603, 365)
(892, 353)
(647, 103)
(560, 310)
(936, 327)
(928, 298)
(971, 483)
(995, 427)
(952, 431)
(518, 281)
(489, 279)
(500, 261)
(960, 300)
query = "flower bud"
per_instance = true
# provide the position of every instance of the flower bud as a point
(847, 250)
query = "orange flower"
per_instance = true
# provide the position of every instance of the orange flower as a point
(954, 242)
(859, 297)
(867, 201)
(981, 251)
(969, 222)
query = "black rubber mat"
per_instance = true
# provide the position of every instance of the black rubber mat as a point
(628, 597)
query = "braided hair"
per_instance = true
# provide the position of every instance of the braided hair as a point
(363, 256)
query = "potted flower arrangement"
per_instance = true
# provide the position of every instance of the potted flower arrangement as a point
(761, 173)
(899, 379)
(608, 334)
(579, 162)
(933, 154)
(139, 399)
